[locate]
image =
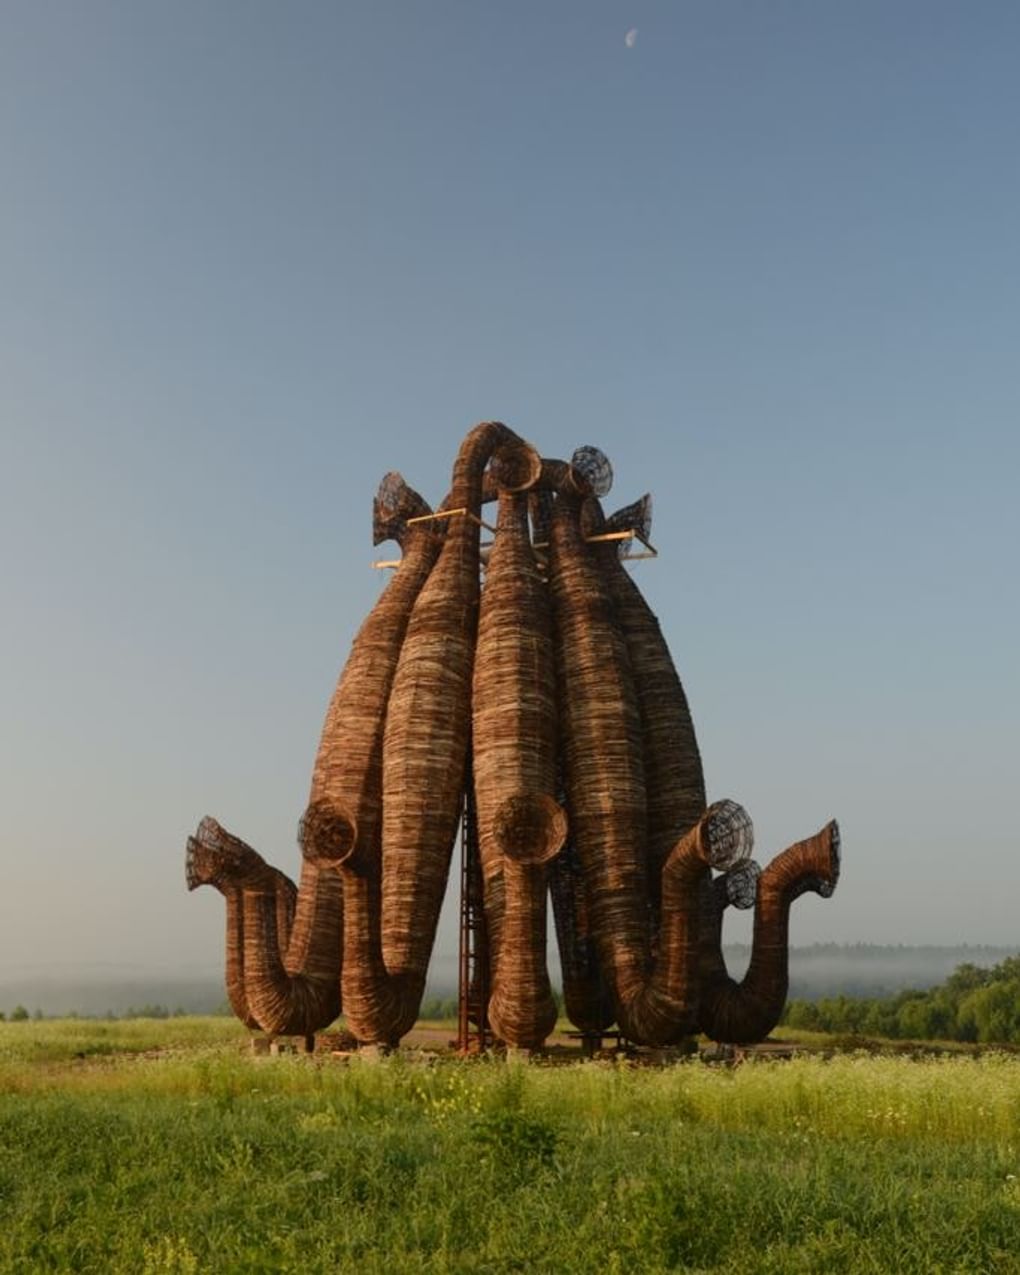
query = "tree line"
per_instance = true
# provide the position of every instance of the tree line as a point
(973, 1004)
(19, 1014)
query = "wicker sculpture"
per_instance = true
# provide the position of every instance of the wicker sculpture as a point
(552, 691)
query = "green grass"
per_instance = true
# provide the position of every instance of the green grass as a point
(202, 1158)
(62, 1040)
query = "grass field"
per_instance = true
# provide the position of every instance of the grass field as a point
(165, 1146)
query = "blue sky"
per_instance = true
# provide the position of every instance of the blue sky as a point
(254, 255)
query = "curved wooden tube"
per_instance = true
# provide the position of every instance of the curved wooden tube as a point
(294, 989)
(520, 825)
(674, 779)
(302, 992)
(348, 783)
(587, 1004)
(341, 823)
(374, 1001)
(666, 1009)
(603, 747)
(215, 857)
(747, 1011)
(586, 1000)
(545, 477)
(428, 721)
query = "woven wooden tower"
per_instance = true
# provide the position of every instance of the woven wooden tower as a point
(532, 669)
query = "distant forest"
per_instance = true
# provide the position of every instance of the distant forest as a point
(869, 970)
(973, 1004)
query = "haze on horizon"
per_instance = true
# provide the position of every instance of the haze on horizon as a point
(254, 257)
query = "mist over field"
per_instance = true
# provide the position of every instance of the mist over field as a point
(817, 970)
(871, 970)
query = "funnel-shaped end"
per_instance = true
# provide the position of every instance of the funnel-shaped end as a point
(635, 517)
(216, 857)
(395, 502)
(809, 867)
(594, 467)
(199, 864)
(826, 879)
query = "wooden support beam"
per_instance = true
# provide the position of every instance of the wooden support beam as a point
(452, 513)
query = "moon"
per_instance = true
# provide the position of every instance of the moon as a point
(630, 39)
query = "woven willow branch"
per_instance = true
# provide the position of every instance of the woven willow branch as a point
(674, 781)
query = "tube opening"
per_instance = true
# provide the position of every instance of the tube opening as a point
(530, 828)
(327, 834)
(516, 467)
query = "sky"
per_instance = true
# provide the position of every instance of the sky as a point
(252, 256)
